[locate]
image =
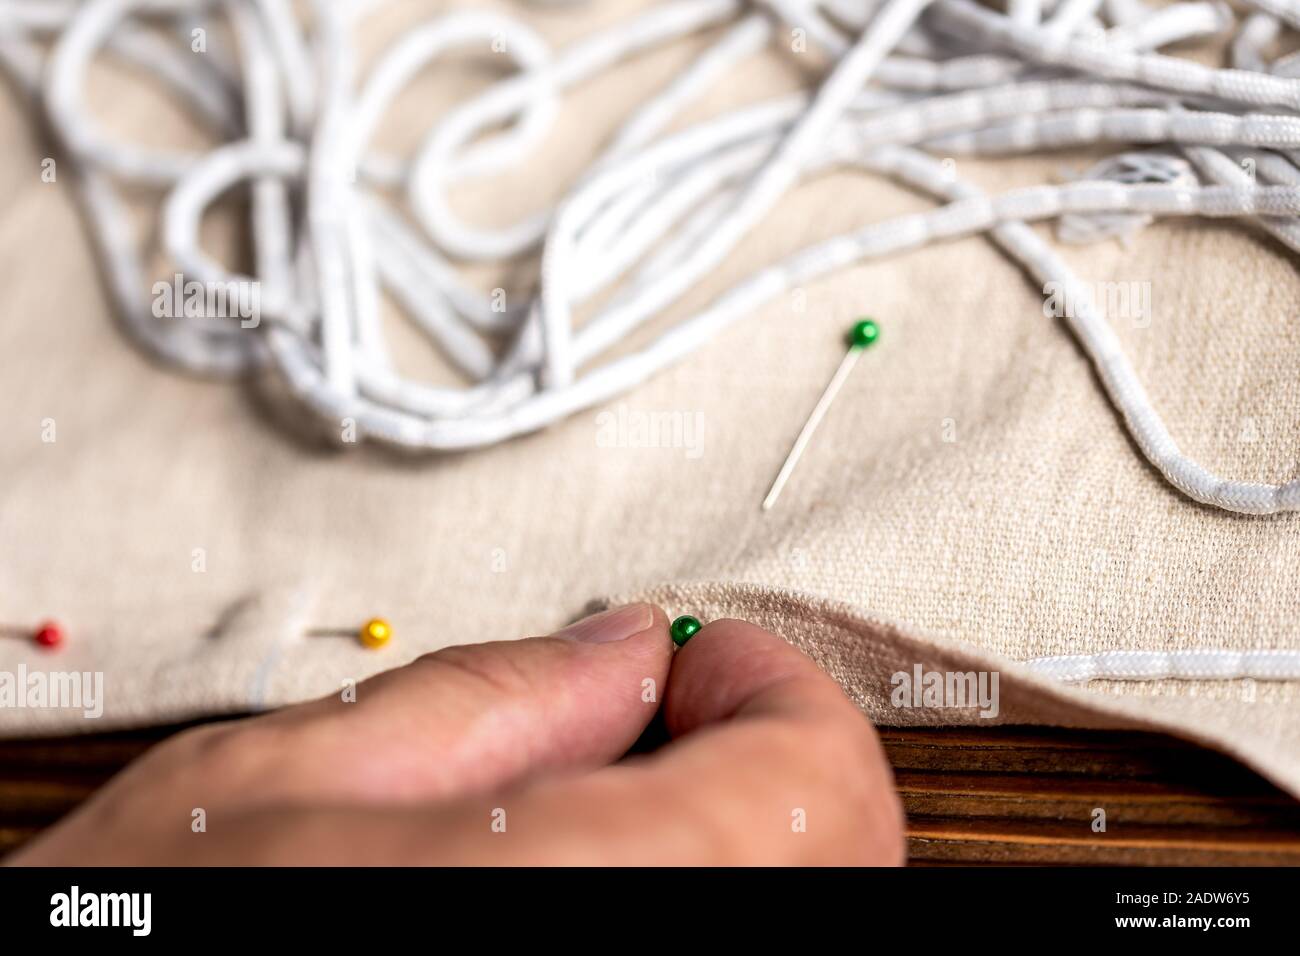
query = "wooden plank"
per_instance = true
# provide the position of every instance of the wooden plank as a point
(1071, 798)
(1040, 842)
(11, 838)
(1110, 755)
(1004, 795)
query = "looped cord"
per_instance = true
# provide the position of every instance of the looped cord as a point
(658, 211)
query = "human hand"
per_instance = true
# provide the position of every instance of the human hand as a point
(505, 753)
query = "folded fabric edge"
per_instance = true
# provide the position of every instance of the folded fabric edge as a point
(867, 653)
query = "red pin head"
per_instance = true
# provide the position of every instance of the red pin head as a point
(49, 635)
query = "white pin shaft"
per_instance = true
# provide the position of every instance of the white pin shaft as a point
(810, 426)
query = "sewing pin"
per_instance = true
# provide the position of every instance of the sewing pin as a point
(374, 634)
(49, 634)
(863, 335)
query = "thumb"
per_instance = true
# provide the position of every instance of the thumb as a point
(461, 720)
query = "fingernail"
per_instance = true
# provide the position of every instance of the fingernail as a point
(616, 625)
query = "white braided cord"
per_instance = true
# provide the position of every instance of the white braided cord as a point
(657, 212)
(1193, 664)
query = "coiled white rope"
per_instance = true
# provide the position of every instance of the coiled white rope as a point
(658, 211)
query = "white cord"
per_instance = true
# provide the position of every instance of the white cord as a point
(658, 211)
(1196, 664)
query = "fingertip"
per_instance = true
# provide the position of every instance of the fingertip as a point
(612, 624)
(660, 623)
(731, 665)
(644, 630)
(762, 722)
(653, 643)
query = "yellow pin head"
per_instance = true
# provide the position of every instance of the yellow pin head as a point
(376, 633)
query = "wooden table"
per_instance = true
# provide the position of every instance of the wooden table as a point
(1000, 795)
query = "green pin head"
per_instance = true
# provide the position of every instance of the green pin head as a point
(684, 628)
(864, 333)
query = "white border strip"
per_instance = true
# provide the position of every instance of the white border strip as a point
(1195, 664)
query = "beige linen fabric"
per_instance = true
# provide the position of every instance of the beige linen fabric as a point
(971, 501)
